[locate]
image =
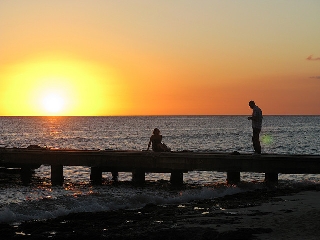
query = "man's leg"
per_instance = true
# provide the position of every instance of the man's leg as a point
(256, 140)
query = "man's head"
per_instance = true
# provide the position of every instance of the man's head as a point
(252, 104)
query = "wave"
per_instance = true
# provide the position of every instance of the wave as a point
(114, 199)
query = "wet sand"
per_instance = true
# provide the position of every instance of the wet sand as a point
(260, 214)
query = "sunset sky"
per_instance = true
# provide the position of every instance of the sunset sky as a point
(148, 57)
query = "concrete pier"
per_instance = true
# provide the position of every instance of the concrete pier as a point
(140, 162)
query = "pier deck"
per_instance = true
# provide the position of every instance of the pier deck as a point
(139, 162)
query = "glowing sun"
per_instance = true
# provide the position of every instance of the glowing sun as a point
(53, 103)
(55, 85)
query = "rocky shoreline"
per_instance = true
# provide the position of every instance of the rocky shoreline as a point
(249, 215)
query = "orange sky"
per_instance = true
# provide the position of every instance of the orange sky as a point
(178, 57)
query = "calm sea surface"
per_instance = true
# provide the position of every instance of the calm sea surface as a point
(40, 200)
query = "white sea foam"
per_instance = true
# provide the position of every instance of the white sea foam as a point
(109, 198)
(130, 198)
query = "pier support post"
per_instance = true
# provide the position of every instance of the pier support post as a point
(176, 178)
(233, 177)
(138, 176)
(115, 176)
(57, 174)
(271, 178)
(96, 175)
(26, 174)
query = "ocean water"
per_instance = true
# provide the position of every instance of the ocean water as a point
(40, 200)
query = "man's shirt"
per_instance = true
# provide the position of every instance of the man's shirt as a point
(257, 117)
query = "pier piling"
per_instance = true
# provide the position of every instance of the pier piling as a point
(138, 176)
(96, 175)
(57, 174)
(233, 177)
(26, 174)
(271, 178)
(176, 178)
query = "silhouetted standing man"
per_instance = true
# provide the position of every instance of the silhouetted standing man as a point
(256, 119)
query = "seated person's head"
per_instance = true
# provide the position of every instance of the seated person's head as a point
(156, 131)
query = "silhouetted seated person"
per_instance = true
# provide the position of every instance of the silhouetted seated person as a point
(156, 139)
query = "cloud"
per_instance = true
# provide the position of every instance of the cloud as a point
(315, 77)
(311, 58)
